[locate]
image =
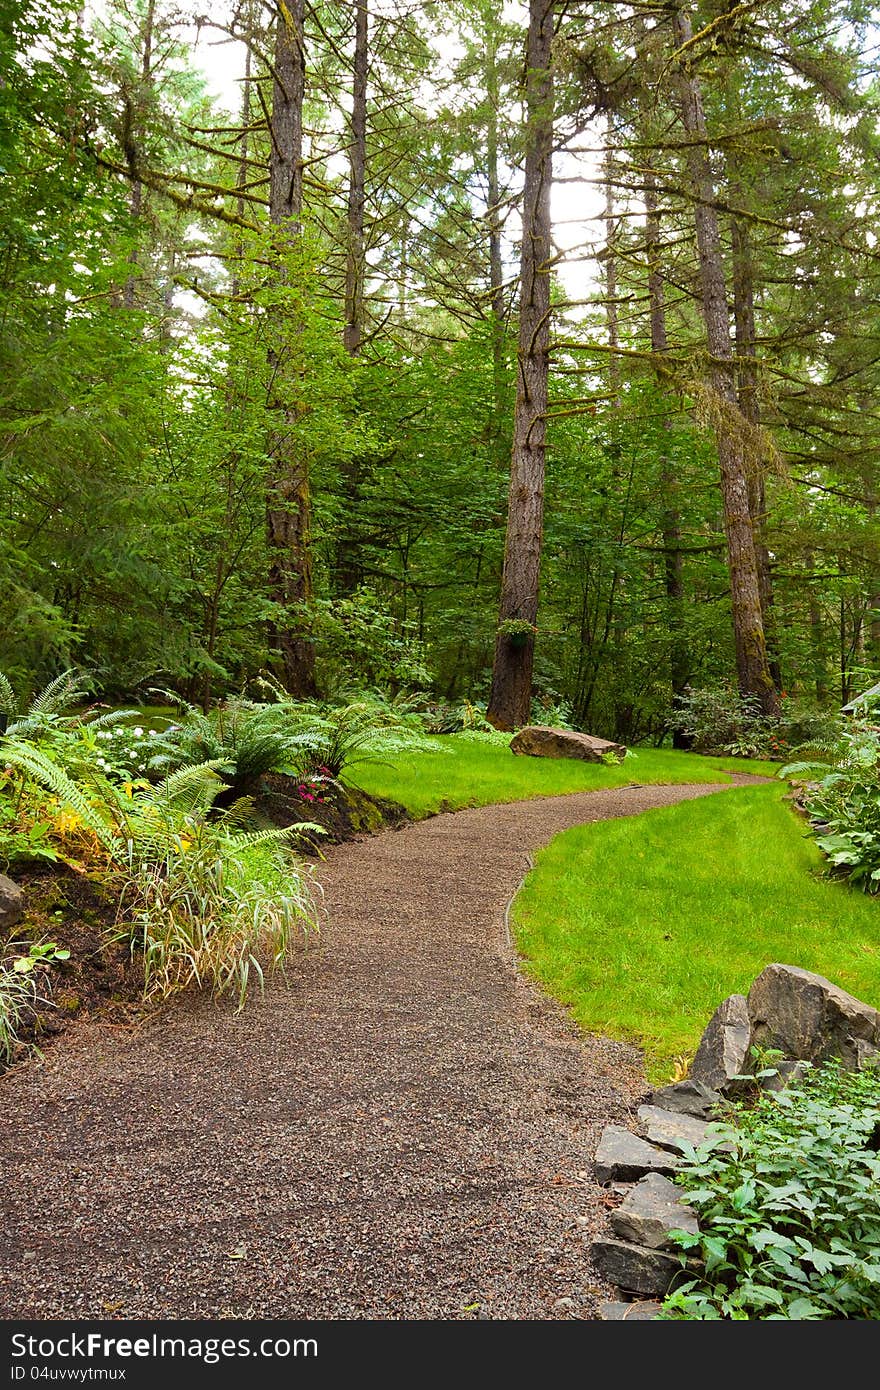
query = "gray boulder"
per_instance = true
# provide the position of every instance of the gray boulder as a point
(687, 1097)
(538, 741)
(652, 1209)
(669, 1129)
(784, 1074)
(808, 1017)
(724, 1047)
(635, 1269)
(11, 903)
(623, 1157)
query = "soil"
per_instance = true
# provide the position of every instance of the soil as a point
(65, 906)
(402, 1127)
(344, 811)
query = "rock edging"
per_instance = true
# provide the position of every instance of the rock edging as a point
(793, 1011)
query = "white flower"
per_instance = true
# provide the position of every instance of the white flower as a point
(138, 732)
(142, 767)
(152, 732)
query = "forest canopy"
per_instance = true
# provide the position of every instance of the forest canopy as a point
(521, 353)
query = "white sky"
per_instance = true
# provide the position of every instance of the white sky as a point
(576, 208)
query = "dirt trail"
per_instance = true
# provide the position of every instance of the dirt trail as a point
(402, 1129)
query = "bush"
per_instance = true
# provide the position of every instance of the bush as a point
(844, 803)
(201, 899)
(719, 720)
(790, 1219)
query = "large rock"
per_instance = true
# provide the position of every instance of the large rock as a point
(724, 1047)
(670, 1129)
(11, 903)
(538, 741)
(623, 1157)
(808, 1017)
(643, 1310)
(634, 1268)
(687, 1097)
(650, 1211)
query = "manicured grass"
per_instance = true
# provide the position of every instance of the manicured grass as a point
(471, 773)
(643, 926)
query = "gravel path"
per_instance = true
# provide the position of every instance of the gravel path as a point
(403, 1129)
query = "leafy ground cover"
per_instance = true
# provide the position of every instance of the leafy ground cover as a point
(473, 769)
(790, 1217)
(643, 926)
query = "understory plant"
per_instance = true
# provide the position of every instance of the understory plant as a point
(201, 897)
(719, 720)
(842, 799)
(790, 1215)
(18, 999)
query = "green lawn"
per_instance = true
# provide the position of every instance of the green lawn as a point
(643, 926)
(470, 773)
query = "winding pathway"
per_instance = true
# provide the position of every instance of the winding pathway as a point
(402, 1129)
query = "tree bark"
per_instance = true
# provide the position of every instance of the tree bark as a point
(357, 163)
(496, 264)
(134, 132)
(673, 560)
(749, 404)
(731, 429)
(288, 509)
(510, 699)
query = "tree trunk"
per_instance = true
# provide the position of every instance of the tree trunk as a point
(673, 560)
(348, 570)
(510, 699)
(749, 404)
(288, 509)
(496, 264)
(731, 429)
(134, 132)
(357, 163)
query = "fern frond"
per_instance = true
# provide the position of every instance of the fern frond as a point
(34, 763)
(57, 697)
(7, 697)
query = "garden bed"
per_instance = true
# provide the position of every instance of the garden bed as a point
(98, 979)
(344, 811)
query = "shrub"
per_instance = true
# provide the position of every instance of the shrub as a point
(18, 999)
(719, 720)
(843, 801)
(790, 1219)
(199, 897)
(211, 910)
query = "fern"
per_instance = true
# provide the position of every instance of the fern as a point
(40, 768)
(7, 697)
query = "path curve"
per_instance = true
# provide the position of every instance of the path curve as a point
(403, 1130)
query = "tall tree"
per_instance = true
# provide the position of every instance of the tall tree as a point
(510, 699)
(288, 510)
(733, 433)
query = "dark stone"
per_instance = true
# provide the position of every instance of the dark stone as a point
(669, 1129)
(785, 1073)
(11, 903)
(643, 1310)
(724, 1047)
(651, 1210)
(807, 1017)
(687, 1097)
(635, 1269)
(623, 1157)
(538, 741)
